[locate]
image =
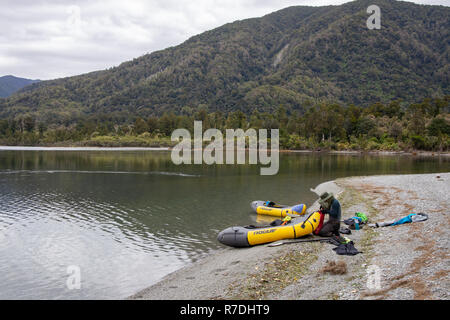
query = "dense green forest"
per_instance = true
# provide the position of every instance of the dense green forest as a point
(317, 73)
(295, 57)
(424, 126)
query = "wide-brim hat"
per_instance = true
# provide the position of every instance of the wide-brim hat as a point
(324, 197)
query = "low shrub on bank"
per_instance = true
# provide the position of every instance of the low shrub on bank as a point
(129, 141)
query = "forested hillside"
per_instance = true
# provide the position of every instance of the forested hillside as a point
(295, 57)
(317, 73)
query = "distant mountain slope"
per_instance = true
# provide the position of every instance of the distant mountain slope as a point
(292, 57)
(10, 84)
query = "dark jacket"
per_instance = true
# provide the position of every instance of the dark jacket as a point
(334, 211)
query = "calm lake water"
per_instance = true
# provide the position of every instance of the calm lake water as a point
(128, 218)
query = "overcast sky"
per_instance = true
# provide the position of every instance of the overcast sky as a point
(46, 39)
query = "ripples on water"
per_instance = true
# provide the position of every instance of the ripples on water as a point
(128, 219)
(101, 172)
(45, 228)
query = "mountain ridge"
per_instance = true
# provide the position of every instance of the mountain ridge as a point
(10, 84)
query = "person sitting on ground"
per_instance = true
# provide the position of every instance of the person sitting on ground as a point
(331, 206)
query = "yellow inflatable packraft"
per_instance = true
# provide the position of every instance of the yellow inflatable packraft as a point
(250, 236)
(275, 210)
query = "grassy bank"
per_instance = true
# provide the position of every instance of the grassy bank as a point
(144, 140)
(292, 143)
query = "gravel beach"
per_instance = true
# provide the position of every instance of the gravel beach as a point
(408, 261)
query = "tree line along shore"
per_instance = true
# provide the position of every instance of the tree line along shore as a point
(326, 126)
